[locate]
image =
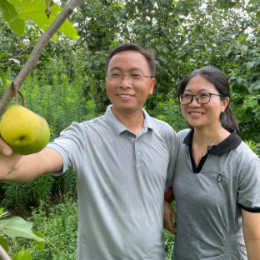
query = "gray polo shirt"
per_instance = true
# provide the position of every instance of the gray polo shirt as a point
(121, 180)
(209, 199)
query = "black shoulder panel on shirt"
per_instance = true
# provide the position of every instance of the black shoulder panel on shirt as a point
(256, 210)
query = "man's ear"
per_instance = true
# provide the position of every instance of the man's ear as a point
(153, 81)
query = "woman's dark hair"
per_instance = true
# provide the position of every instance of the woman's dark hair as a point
(220, 81)
(147, 53)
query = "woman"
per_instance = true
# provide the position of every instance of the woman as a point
(217, 179)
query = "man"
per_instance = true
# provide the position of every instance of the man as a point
(123, 162)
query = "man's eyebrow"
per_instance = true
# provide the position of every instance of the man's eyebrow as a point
(132, 69)
(115, 68)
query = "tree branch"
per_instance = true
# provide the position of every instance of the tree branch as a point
(36, 53)
(3, 254)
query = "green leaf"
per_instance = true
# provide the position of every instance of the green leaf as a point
(67, 28)
(40, 244)
(231, 4)
(237, 44)
(18, 227)
(232, 77)
(11, 16)
(251, 88)
(3, 243)
(242, 37)
(4, 55)
(35, 10)
(227, 53)
(23, 255)
(3, 79)
(237, 57)
(244, 48)
(239, 80)
(175, 23)
(257, 87)
(250, 65)
(26, 56)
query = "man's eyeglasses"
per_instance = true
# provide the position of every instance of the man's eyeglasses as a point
(201, 98)
(118, 77)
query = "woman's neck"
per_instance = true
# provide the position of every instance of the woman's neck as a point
(204, 139)
(208, 137)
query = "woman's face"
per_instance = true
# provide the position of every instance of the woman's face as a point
(203, 115)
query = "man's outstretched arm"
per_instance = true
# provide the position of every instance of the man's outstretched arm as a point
(20, 169)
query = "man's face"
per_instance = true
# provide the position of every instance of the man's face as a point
(128, 96)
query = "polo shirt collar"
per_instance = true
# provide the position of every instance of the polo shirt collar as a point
(118, 127)
(230, 143)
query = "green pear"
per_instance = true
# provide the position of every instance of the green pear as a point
(24, 131)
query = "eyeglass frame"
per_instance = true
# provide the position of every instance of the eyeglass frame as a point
(128, 76)
(196, 98)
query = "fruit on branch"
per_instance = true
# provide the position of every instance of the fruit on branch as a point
(24, 131)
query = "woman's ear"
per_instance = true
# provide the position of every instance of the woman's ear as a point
(224, 104)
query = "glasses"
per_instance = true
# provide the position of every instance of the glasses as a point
(118, 77)
(201, 98)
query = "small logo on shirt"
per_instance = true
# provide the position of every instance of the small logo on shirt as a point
(219, 178)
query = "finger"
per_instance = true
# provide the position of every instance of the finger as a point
(171, 229)
(168, 225)
(4, 148)
(174, 215)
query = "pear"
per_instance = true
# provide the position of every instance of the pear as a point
(24, 131)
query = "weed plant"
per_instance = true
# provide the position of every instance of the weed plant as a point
(59, 226)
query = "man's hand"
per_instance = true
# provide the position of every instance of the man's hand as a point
(167, 218)
(20, 169)
(8, 160)
(168, 195)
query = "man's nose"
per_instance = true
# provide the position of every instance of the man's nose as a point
(125, 82)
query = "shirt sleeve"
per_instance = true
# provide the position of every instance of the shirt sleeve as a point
(173, 149)
(70, 146)
(249, 183)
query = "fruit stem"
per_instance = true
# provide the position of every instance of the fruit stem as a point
(15, 93)
(20, 93)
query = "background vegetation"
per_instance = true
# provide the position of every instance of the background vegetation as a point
(68, 84)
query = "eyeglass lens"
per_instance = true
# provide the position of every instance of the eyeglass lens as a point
(201, 98)
(117, 77)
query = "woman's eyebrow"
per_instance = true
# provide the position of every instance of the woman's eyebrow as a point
(204, 89)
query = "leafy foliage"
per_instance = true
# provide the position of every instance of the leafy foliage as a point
(17, 12)
(59, 227)
(18, 227)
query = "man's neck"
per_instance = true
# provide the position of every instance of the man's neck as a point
(133, 121)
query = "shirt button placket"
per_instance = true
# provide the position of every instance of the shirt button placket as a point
(138, 154)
